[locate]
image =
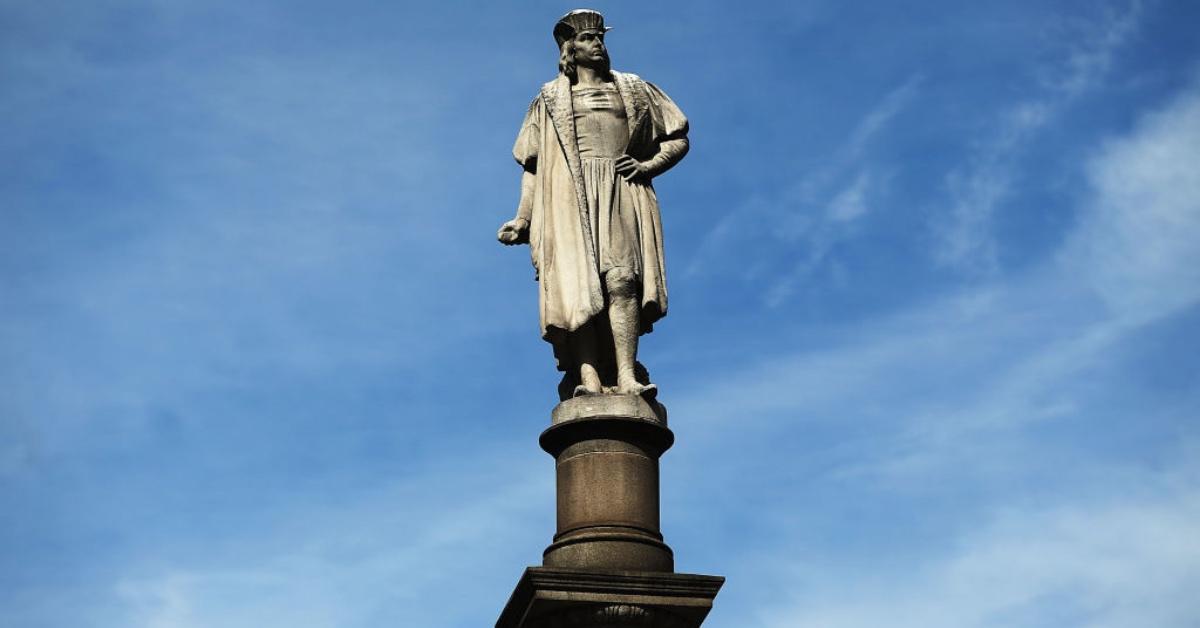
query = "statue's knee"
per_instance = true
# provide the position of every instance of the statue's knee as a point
(621, 282)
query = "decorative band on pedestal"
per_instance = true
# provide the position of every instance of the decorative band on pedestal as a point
(612, 616)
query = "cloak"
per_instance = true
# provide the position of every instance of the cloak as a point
(562, 248)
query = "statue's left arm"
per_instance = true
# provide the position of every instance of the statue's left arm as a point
(669, 133)
(670, 152)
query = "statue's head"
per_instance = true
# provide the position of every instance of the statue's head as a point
(580, 38)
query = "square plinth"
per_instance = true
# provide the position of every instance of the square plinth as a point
(551, 596)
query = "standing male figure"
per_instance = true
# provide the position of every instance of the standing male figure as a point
(590, 144)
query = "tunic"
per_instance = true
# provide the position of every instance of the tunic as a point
(602, 133)
(584, 219)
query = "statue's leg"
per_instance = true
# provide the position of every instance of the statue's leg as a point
(584, 339)
(623, 315)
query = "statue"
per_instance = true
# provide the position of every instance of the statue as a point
(590, 144)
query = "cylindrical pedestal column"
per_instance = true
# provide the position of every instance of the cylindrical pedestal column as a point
(606, 450)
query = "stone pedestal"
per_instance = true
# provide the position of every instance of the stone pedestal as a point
(608, 566)
(606, 450)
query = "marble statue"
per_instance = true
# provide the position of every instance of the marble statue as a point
(589, 146)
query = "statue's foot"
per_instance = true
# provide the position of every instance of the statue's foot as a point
(589, 381)
(582, 390)
(649, 391)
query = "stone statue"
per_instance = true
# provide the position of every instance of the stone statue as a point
(590, 144)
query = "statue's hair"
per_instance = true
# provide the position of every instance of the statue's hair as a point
(566, 60)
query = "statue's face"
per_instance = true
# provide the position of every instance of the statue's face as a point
(589, 49)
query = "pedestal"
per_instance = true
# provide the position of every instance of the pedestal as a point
(606, 450)
(608, 566)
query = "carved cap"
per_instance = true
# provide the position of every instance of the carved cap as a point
(576, 22)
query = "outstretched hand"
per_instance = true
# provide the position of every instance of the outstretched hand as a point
(629, 167)
(515, 231)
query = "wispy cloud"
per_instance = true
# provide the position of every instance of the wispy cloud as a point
(1112, 563)
(808, 218)
(977, 189)
(1138, 245)
(1130, 261)
(409, 552)
(969, 399)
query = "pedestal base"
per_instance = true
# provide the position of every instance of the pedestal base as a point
(576, 598)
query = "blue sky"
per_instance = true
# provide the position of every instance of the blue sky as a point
(931, 358)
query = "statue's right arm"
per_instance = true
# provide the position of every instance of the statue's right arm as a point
(516, 231)
(525, 205)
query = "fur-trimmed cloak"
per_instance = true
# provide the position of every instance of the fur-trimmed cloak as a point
(564, 256)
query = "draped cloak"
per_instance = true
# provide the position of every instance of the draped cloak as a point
(562, 246)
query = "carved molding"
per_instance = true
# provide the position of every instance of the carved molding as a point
(612, 616)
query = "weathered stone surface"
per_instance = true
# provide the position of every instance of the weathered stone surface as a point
(562, 598)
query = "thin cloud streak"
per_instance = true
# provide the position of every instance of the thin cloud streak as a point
(1109, 564)
(812, 215)
(976, 191)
